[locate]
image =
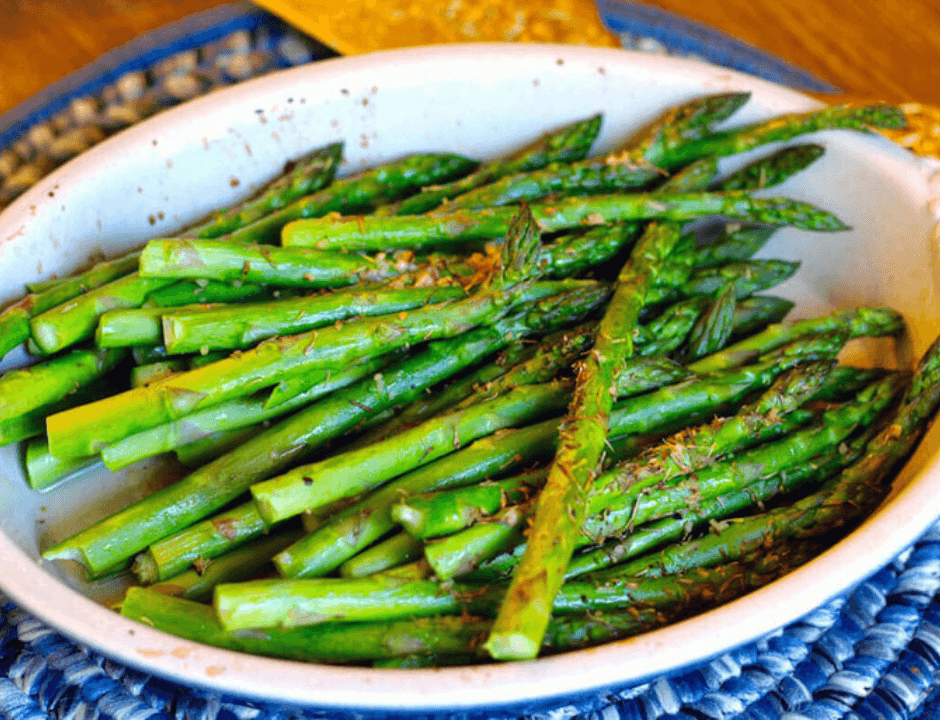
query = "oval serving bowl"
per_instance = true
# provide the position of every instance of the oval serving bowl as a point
(479, 100)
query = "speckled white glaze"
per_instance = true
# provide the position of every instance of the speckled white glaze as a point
(479, 100)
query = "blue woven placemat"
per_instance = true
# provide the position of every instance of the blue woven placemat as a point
(873, 654)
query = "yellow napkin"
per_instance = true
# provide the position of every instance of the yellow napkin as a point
(358, 26)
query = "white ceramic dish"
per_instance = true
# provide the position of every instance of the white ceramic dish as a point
(481, 101)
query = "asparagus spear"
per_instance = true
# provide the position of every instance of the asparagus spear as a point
(199, 543)
(154, 372)
(14, 319)
(40, 386)
(345, 475)
(359, 193)
(306, 175)
(374, 234)
(238, 327)
(744, 278)
(737, 244)
(285, 267)
(576, 251)
(712, 330)
(872, 322)
(392, 552)
(570, 143)
(67, 324)
(213, 486)
(451, 396)
(201, 292)
(296, 603)
(560, 507)
(774, 170)
(140, 326)
(242, 563)
(43, 471)
(783, 127)
(442, 513)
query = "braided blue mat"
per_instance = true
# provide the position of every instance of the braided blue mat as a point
(873, 654)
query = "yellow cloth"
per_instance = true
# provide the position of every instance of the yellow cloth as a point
(358, 26)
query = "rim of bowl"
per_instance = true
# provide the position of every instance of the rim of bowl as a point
(619, 664)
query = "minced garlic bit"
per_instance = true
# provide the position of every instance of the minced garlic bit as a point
(358, 26)
(922, 134)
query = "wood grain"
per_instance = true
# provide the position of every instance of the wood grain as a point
(888, 49)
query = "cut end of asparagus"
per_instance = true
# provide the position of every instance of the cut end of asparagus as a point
(64, 551)
(511, 646)
(145, 569)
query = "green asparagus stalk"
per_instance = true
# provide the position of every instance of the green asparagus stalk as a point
(306, 175)
(202, 292)
(199, 543)
(43, 471)
(194, 621)
(559, 510)
(734, 245)
(211, 487)
(154, 372)
(76, 320)
(141, 326)
(745, 279)
(297, 603)
(397, 550)
(234, 327)
(450, 397)
(783, 127)
(243, 563)
(345, 475)
(375, 234)
(442, 513)
(712, 331)
(577, 251)
(359, 193)
(861, 322)
(39, 386)
(15, 319)
(570, 143)
(773, 170)
(253, 264)
(753, 315)
(680, 125)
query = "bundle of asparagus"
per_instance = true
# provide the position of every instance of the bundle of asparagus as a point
(488, 411)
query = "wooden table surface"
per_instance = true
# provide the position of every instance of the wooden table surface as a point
(886, 49)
